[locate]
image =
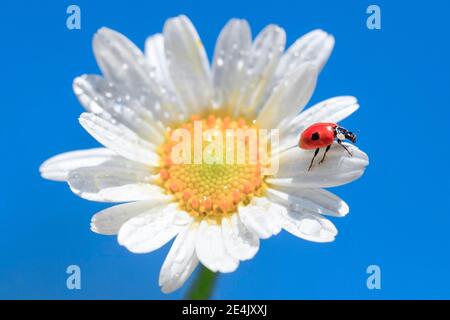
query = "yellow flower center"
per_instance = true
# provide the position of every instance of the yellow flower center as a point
(211, 190)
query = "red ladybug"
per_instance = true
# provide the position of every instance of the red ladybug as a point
(322, 134)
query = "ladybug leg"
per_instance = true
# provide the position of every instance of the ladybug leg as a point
(315, 154)
(343, 146)
(324, 154)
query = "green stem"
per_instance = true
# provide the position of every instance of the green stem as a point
(203, 285)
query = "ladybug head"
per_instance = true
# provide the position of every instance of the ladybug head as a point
(342, 134)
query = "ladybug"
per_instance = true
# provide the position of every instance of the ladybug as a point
(321, 135)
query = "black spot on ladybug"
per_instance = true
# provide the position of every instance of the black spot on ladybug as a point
(315, 136)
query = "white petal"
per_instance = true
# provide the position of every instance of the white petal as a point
(289, 97)
(109, 221)
(150, 230)
(188, 64)
(113, 103)
(334, 110)
(155, 54)
(58, 167)
(309, 226)
(337, 169)
(182, 273)
(331, 110)
(211, 250)
(181, 218)
(125, 65)
(156, 58)
(117, 180)
(314, 200)
(315, 46)
(181, 260)
(232, 48)
(120, 139)
(119, 59)
(261, 217)
(240, 243)
(260, 65)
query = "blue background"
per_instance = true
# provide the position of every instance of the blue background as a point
(399, 215)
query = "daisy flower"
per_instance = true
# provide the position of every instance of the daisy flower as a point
(217, 213)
